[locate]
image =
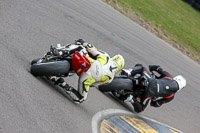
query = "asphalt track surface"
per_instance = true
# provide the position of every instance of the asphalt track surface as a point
(31, 104)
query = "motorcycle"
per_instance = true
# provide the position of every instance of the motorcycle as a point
(123, 86)
(61, 61)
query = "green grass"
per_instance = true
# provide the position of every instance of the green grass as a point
(175, 18)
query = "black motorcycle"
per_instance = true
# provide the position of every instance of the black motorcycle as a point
(123, 86)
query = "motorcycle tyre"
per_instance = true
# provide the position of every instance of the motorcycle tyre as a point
(50, 68)
(35, 61)
(117, 84)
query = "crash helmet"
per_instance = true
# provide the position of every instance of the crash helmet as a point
(181, 81)
(117, 62)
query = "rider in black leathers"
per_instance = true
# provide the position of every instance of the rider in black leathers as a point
(160, 90)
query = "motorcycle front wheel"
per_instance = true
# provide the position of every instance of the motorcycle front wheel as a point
(118, 83)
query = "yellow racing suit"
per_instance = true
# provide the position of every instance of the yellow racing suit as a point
(100, 72)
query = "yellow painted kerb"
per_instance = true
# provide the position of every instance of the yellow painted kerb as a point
(108, 128)
(138, 124)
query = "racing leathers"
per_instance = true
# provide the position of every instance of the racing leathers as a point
(100, 72)
(160, 90)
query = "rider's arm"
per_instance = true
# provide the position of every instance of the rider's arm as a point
(160, 70)
(71, 51)
(79, 48)
(162, 101)
(94, 51)
(137, 69)
(164, 73)
(74, 50)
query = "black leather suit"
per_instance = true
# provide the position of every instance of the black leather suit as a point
(162, 88)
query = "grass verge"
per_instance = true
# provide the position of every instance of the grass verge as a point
(174, 21)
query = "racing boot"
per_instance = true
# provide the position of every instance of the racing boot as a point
(61, 82)
(129, 99)
(67, 88)
(52, 78)
(73, 93)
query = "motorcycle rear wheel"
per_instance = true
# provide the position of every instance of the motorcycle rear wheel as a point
(35, 61)
(50, 68)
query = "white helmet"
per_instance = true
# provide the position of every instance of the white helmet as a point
(118, 60)
(181, 81)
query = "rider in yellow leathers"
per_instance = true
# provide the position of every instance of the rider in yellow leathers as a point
(102, 71)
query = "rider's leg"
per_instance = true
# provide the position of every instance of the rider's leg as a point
(85, 80)
(84, 83)
(74, 94)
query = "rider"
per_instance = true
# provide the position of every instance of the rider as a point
(160, 90)
(102, 71)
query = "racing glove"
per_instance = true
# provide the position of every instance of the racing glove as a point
(126, 72)
(79, 42)
(83, 43)
(154, 67)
